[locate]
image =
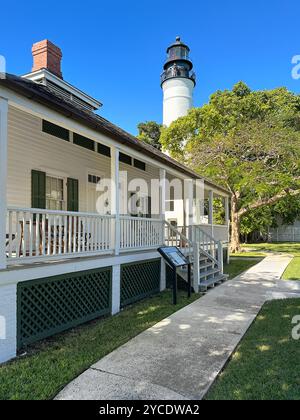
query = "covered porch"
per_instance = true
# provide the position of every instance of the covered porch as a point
(59, 226)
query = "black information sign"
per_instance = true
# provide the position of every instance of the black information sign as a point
(175, 259)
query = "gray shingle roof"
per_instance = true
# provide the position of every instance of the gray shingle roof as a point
(41, 94)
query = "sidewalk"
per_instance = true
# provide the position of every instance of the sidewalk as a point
(180, 357)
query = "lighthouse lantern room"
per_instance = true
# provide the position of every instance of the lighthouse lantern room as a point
(178, 82)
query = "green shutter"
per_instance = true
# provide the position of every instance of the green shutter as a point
(38, 190)
(73, 195)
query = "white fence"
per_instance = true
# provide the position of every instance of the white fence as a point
(285, 234)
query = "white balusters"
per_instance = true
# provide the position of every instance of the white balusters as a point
(42, 234)
(140, 233)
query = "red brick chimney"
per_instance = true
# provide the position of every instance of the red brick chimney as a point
(47, 56)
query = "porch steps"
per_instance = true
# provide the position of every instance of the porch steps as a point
(209, 254)
(209, 272)
(212, 282)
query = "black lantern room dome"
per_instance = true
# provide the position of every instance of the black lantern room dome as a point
(178, 63)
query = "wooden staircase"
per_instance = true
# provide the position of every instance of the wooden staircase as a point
(206, 256)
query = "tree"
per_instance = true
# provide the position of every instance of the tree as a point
(150, 132)
(248, 142)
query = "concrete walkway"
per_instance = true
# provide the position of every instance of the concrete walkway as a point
(180, 357)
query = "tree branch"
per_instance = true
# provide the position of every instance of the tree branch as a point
(269, 201)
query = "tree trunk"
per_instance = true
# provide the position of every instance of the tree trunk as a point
(235, 227)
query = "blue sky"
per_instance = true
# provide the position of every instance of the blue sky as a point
(114, 50)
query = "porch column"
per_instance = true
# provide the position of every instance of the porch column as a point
(3, 179)
(162, 193)
(162, 212)
(227, 222)
(189, 208)
(227, 215)
(115, 195)
(211, 211)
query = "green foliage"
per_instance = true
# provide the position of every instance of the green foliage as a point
(249, 142)
(219, 211)
(150, 132)
(257, 220)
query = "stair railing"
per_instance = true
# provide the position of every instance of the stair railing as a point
(209, 245)
(173, 237)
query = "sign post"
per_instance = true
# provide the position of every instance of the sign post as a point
(175, 259)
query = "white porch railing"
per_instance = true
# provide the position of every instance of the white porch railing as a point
(218, 232)
(37, 235)
(34, 234)
(140, 233)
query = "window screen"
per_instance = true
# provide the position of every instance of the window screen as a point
(56, 130)
(139, 165)
(125, 159)
(83, 142)
(104, 150)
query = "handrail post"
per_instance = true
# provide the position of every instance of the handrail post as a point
(220, 257)
(3, 180)
(196, 267)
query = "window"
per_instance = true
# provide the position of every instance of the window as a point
(139, 165)
(56, 130)
(104, 150)
(125, 159)
(54, 193)
(93, 179)
(172, 199)
(84, 142)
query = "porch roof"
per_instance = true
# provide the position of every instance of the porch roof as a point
(41, 94)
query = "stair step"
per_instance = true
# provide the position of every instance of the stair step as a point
(210, 272)
(208, 265)
(212, 282)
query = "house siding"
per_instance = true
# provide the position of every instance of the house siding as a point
(29, 148)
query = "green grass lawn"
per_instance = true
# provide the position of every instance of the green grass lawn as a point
(239, 265)
(266, 365)
(265, 248)
(54, 363)
(293, 270)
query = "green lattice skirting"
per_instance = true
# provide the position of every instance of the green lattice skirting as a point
(49, 306)
(139, 280)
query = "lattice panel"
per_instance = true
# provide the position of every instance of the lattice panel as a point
(139, 280)
(49, 306)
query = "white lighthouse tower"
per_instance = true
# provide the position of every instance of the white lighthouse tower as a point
(178, 82)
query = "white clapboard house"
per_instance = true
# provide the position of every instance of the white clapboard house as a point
(69, 251)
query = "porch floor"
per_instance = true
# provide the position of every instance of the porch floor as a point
(180, 357)
(74, 260)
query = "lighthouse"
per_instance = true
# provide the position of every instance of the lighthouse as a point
(178, 82)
